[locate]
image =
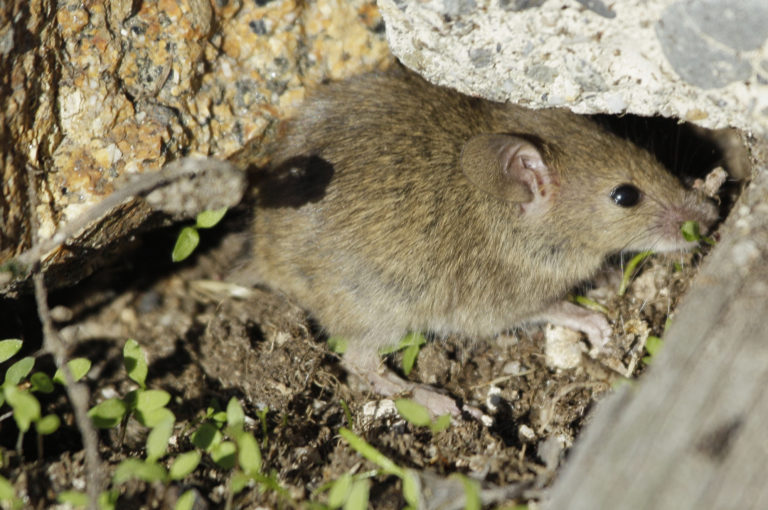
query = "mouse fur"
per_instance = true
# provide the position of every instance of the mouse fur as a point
(388, 209)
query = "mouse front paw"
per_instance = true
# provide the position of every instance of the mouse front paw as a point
(599, 332)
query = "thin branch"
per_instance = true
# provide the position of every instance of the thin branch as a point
(77, 393)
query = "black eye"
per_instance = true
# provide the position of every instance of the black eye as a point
(625, 195)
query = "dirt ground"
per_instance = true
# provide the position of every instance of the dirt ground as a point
(208, 340)
(205, 345)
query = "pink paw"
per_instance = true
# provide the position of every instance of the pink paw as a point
(568, 315)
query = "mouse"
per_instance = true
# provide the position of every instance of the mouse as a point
(392, 205)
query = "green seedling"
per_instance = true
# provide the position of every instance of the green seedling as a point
(347, 412)
(411, 485)
(589, 304)
(653, 345)
(8, 348)
(232, 448)
(107, 499)
(471, 492)
(411, 346)
(629, 271)
(337, 344)
(189, 237)
(8, 495)
(78, 368)
(692, 232)
(357, 498)
(147, 406)
(76, 499)
(184, 464)
(418, 415)
(186, 501)
(135, 362)
(18, 390)
(262, 416)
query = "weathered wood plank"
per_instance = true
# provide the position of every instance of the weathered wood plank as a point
(693, 433)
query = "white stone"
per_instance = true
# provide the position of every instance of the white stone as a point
(704, 61)
(563, 347)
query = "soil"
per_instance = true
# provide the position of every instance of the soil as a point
(208, 340)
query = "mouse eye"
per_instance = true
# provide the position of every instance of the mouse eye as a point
(625, 195)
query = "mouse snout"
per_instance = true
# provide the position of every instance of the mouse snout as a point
(695, 207)
(691, 207)
(702, 210)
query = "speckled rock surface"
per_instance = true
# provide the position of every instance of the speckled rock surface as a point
(704, 61)
(99, 89)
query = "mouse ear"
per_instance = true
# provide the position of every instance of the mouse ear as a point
(506, 166)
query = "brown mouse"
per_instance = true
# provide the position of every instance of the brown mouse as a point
(393, 205)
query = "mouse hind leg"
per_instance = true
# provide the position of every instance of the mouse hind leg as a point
(363, 361)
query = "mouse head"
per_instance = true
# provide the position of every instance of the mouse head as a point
(605, 192)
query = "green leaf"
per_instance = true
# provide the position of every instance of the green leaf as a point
(409, 358)
(235, 414)
(262, 414)
(691, 231)
(157, 440)
(26, 408)
(248, 454)
(135, 362)
(589, 304)
(340, 490)
(413, 412)
(337, 344)
(369, 452)
(48, 424)
(239, 481)
(78, 367)
(154, 417)
(206, 437)
(408, 340)
(186, 501)
(653, 345)
(347, 412)
(8, 348)
(136, 468)
(441, 423)
(208, 219)
(108, 499)
(630, 270)
(471, 492)
(19, 370)
(40, 382)
(414, 341)
(219, 417)
(149, 400)
(75, 498)
(358, 496)
(223, 454)
(6, 490)
(108, 413)
(186, 243)
(184, 464)
(411, 488)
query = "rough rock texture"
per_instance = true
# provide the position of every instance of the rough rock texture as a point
(93, 91)
(704, 61)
